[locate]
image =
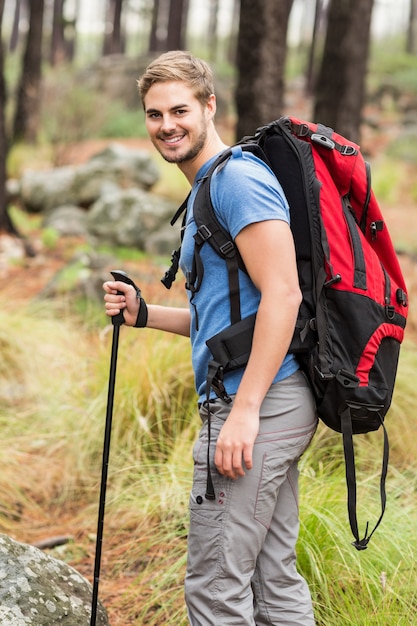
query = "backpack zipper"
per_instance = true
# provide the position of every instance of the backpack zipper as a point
(359, 273)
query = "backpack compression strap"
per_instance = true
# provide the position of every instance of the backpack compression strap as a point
(171, 273)
(324, 136)
(346, 423)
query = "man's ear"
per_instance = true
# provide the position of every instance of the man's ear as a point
(211, 106)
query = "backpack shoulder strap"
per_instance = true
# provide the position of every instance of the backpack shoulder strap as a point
(211, 231)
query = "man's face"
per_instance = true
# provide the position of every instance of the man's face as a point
(176, 122)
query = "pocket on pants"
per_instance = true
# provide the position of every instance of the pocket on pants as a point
(203, 511)
(277, 460)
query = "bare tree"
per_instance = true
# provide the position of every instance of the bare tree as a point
(212, 28)
(4, 218)
(159, 26)
(177, 20)
(15, 28)
(114, 38)
(58, 52)
(311, 66)
(169, 18)
(340, 89)
(411, 46)
(261, 56)
(231, 53)
(6, 224)
(26, 120)
(63, 33)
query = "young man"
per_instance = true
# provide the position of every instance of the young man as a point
(241, 567)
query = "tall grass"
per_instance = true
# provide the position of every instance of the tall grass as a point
(53, 393)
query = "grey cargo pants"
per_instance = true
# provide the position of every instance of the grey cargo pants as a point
(241, 568)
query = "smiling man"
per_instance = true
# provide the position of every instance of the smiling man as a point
(241, 567)
(179, 132)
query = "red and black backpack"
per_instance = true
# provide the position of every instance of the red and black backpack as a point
(353, 314)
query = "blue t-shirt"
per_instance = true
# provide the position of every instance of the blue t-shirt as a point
(243, 192)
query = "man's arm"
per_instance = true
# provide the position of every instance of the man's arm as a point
(170, 319)
(267, 250)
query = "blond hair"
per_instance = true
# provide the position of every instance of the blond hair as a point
(178, 65)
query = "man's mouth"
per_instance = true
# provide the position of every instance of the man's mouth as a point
(172, 140)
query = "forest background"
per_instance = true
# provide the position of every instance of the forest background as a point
(350, 64)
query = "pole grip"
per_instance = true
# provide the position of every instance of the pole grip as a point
(120, 275)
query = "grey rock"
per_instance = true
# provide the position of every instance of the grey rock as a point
(127, 217)
(67, 220)
(43, 190)
(81, 185)
(37, 589)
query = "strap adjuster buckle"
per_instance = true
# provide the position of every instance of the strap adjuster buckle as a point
(228, 248)
(203, 233)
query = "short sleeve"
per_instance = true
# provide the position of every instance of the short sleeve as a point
(246, 191)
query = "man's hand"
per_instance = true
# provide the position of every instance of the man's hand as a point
(235, 443)
(121, 297)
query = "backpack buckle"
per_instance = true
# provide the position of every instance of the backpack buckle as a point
(203, 233)
(228, 248)
(401, 297)
(301, 130)
(348, 150)
(215, 381)
(171, 273)
(390, 312)
(347, 379)
(323, 141)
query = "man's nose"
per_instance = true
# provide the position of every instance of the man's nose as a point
(168, 123)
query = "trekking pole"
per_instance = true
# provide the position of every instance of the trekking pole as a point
(117, 321)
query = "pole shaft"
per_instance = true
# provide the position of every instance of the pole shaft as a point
(104, 472)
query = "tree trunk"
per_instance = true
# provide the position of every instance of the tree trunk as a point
(159, 26)
(232, 47)
(26, 119)
(58, 48)
(114, 40)
(15, 28)
(340, 89)
(311, 66)
(178, 10)
(169, 18)
(212, 29)
(261, 56)
(411, 46)
(118, 41)
(3, 141)
(6, 224)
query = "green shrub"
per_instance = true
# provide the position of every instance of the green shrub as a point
(387, 176)
(404, 148)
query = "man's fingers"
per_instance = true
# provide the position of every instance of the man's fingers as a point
(247, 457)
(229, 463)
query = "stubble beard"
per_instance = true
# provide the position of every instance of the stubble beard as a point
(191, 154)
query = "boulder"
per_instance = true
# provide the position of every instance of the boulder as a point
(36, 589)
(43, 190)
(68, 220)
(116, 163)
(81, 185)
(129, 217)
